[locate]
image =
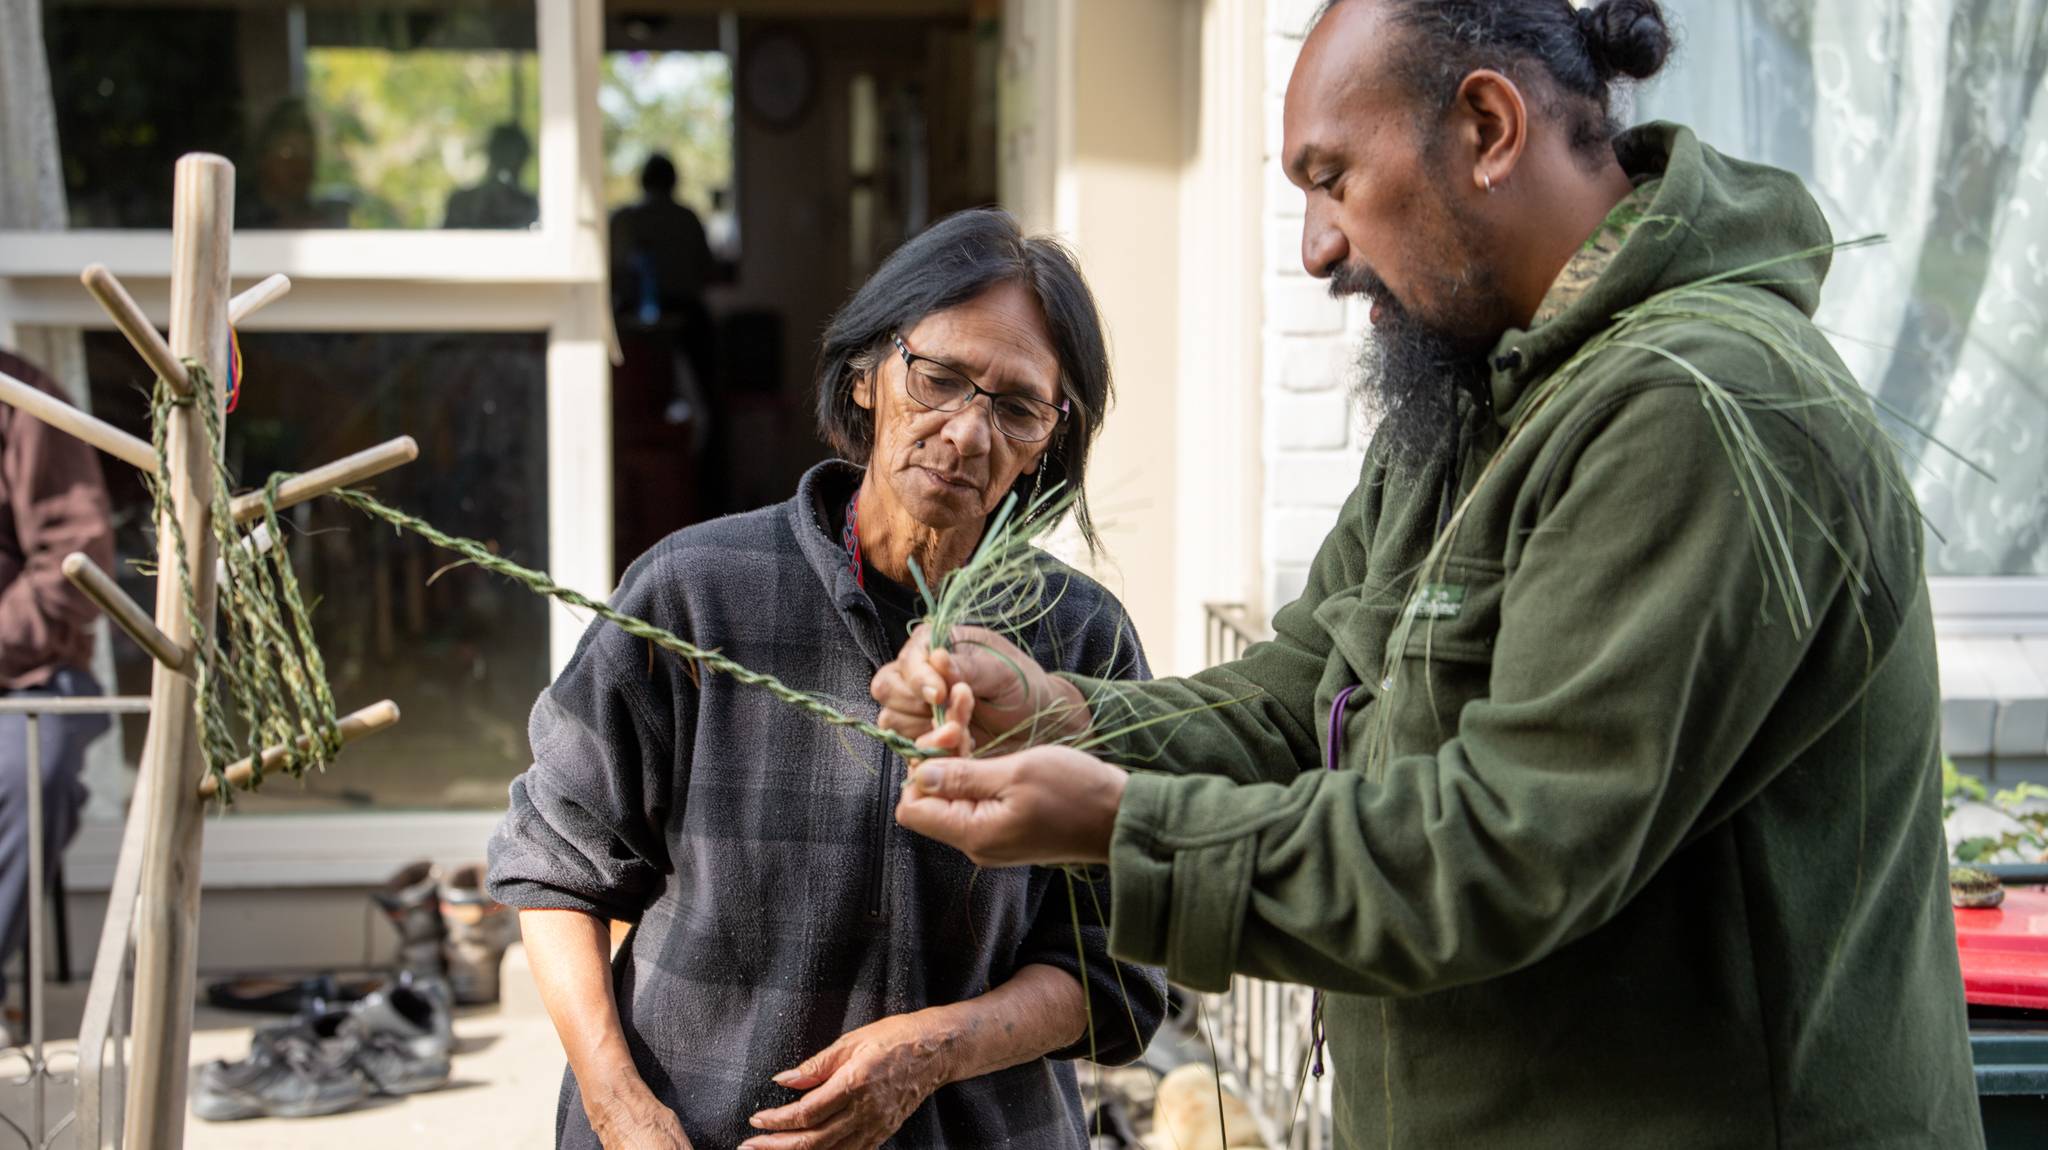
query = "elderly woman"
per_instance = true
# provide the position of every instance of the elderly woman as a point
(803, 974)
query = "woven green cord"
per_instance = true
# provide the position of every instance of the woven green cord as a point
(540, 583)
(268, 670)
(264, 664)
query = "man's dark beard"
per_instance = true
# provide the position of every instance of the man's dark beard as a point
(1410, 373)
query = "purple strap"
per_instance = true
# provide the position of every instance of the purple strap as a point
(1333, 753)
(1334, 748)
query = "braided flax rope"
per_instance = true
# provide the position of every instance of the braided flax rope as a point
(269, 671)
(540, 583)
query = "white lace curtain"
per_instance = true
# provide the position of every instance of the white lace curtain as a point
(1927, 121)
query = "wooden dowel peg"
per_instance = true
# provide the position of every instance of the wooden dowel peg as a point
(142, 334)
(68, 419)
(128, 615)
(257, 298)
(340, 473)
(367, 721)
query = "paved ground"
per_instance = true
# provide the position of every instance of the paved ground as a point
(507, 1070)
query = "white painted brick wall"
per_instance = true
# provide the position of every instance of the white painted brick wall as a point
(1314, 479)
(1306, 363)
(1288, 19)
(1320, 421)
(1313, 445)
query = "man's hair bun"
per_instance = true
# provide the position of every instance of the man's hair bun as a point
(1626, 37)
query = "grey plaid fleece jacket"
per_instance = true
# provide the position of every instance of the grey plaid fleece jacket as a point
(778, 903)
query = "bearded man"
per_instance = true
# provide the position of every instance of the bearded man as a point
(1620, 654)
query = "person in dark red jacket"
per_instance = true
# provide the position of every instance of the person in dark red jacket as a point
(53, 501)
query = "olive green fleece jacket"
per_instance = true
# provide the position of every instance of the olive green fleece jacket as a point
(1644, 864)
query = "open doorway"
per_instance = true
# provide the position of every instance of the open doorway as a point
(801, 148)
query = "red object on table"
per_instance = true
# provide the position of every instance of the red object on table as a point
(2004, 950)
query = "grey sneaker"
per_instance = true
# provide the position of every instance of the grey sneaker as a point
(411, 900)
(288, 1074)
(479, 929)
(399, 1039)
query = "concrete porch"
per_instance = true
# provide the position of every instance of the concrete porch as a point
(508, 1066)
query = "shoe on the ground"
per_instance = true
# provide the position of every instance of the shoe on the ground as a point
(479, 930)
(291, 1075)
(399, 1039)
(274, 994)
(411, 900)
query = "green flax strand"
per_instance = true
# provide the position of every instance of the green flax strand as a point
(263, 665)
(541, 583)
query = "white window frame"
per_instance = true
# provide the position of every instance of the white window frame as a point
(550, 279)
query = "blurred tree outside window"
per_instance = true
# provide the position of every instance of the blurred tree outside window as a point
(408, 117)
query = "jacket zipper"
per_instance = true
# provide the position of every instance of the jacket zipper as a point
(1447, 502)
(878, 846)
(878, 867)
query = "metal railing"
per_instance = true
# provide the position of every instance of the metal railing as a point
(1262, 1028)
(105, 1003)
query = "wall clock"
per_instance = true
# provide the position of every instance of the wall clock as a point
(778, 78)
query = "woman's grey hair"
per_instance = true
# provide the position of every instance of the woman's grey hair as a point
(948, 264)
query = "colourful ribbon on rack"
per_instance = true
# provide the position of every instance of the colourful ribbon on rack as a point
(234, 369)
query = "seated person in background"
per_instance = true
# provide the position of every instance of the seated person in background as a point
(52, 503)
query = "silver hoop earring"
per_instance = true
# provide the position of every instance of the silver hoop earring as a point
(1487, 182)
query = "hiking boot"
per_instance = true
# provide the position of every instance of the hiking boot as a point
(290, 1074)
(410, 899)
(479, 929)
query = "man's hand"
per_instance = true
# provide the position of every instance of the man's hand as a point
(634, 1119)
(994, 693)
(860, 1089)
(1041, 806)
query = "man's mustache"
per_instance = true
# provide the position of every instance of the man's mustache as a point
(1350, 280)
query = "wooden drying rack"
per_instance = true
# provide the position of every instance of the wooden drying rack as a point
(172, 786)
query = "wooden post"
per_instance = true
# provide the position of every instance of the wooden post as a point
(167, 909)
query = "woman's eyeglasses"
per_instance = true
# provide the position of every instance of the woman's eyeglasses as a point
(942, 388)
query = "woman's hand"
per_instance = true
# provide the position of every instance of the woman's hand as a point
(634, 1119)
(860, 1089)
(993, 691)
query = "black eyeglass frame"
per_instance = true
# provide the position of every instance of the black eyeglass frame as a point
(911, 359)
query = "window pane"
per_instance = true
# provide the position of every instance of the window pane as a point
(336, 117)
(676, 104)
(462, 652)
(1925, 123)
